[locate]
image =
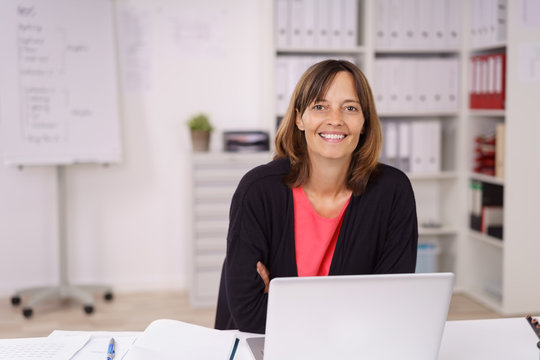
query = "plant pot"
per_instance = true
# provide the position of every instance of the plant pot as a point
(200, 140)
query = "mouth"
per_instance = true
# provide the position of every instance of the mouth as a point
(332, 136)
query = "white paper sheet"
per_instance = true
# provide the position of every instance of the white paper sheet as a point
(58, 348)
(96, 348)
(171, 339)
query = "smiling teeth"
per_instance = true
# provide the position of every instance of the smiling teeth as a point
(333, 136)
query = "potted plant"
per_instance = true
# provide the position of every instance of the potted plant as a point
(200, 128)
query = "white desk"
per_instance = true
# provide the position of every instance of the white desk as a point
(493, 339)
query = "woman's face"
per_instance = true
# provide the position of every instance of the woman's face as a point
(333, 125)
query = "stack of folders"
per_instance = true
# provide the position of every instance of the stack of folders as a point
(488, 22)
(489, 152)
(289, 69)
(314, 24)
(486, 208)
(485, 151)
(417, 24)
(416, 84)
(412, 146)
(487, 81)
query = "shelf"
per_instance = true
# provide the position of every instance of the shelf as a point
(486, 178)
(213, 157)
(322, 51)
(417, 51)
(413, 114)
(443, 230)
(443, 175)
(486, 239)
(487, 112)
(488, 48)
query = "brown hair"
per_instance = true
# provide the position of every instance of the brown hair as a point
(291, 143)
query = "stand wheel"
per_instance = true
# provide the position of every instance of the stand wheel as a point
(27, 312)
(88, 309)
(108, 296)
(15, 300)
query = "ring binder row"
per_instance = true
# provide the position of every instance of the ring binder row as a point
(487, 81)
(289, 69)
(416, 84)
(413, 145)
(314, 24)
(417, 24)
(488, 22)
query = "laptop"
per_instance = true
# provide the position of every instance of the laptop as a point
(393, 316)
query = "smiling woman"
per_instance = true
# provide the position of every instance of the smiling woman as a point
(324, 206)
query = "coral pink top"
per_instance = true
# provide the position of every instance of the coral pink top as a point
(315, 236)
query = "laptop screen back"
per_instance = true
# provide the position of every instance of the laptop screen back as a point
(361, 317)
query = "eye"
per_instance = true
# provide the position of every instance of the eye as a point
(351, 108)
(318, 107)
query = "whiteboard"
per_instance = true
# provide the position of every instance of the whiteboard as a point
(58, 82)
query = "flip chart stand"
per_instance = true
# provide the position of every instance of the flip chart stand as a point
(63, 291)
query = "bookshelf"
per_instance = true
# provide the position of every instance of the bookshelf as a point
(487, 268)
(500, 274)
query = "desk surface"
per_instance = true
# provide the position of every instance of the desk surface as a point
(494, 339)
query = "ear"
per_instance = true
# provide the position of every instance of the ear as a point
(299, 121)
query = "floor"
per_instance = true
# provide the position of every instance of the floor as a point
(134, 311)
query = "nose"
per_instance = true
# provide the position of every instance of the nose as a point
(335, 117)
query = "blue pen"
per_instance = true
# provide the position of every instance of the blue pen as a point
(110, 349)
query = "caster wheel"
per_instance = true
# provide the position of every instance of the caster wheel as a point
(27, 312)
(108, 296)
(15, 300)
(88, 309)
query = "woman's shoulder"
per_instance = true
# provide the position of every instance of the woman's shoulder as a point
(389, 175)
(268, 174)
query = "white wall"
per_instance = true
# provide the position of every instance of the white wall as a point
(129, 224)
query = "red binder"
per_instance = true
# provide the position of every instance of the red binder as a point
(488, 81)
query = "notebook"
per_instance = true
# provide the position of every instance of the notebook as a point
(355, 317)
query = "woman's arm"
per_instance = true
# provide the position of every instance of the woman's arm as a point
(400, 245)
(247, 244)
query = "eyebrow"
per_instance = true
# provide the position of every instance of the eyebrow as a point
(345, 101)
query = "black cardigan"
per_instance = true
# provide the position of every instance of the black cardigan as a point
(379, 235)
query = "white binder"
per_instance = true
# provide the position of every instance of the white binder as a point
(423, 20)
(281, 85)
(433, 149)
(297, 23)
(453, 23)
(450, 101)
(391, 143)
(336, 24)
(380, 91)
(310, 24)
(404, 133)
(425, 146)
(323, 25)
(397, 22)
(282, 24)
(382, 24)
(350, 24)
(438, 23)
